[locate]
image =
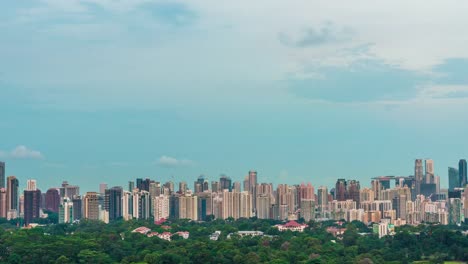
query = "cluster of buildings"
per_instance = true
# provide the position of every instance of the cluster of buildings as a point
(390, 200)
(164, 235)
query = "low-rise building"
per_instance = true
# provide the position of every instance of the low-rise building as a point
(292, 226)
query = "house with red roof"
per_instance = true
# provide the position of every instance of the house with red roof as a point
(142, 230)
(292, 226)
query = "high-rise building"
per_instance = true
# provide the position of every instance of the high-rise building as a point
(102, 188)
(68, 190)
(429, 164)
(52, 200)
(131, 186)
(91, 206)
(453, 179)
(352, 191)
(399, 204)
(143, 185)
(306, 192)
(198, 185)
(366, 195)
(127, 205)
(3, 203)
(253, 188)
(322, 197)
(188, 207)
(141, 204)
(66, 211)
(245, 208)
(462, 172)
(2, 174)
(376, 188)
(31, 185)
(32, 201)
(160, 207)
(205, 205)
(12, 196)
(455, 211)
(418, 174)
(155, 189)
(236, 187)
(264, 206)
(169, 185)
(113, 202)
(182, 187)
(340, 190)
(215, 186)
(307, 209)
(77, 207)
(225, 182)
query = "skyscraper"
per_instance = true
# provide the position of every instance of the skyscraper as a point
(143, 185)
(188, 207)
(68, 190)
(225, 183)
(462, 172)
(322, 196)
(102, 188)
(113, 202)
(32, 201)
(198, 185)
(253, 188)
(91, 206)
(12, 196)
(52, 200)
(2, 174)
(3, 203)
(66, 211)
(31, 185)
(131, 186)
(160, 207)
(418, 174)
(77, 207)
(182, 187)
(352, 191)
(340, 190)
(127, 205)
(215, 186)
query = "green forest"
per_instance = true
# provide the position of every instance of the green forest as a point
(96, 242)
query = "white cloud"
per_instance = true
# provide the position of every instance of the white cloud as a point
(170, 162)
(21, 152)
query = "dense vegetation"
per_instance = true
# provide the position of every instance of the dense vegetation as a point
(96, 242)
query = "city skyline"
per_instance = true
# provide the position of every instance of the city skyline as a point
(455, 177)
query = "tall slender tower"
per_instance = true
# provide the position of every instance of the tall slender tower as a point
(32, 201)
(113, 202)
(91, 206)
(2, 174)
(340, 190)
(418, 174)
(253, 189)
(453, 178)
(462, 172)
(3, 203)
(12, 196)
(429, 165)
(52, 200)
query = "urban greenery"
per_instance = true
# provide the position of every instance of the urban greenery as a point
(96, 242)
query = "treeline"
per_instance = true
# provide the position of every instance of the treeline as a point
(96, 242)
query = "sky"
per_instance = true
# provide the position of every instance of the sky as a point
(106, 91)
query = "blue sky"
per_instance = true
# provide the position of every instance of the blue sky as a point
(303, 91)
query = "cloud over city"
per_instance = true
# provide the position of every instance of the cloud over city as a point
(171, 162)
(21, 152)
